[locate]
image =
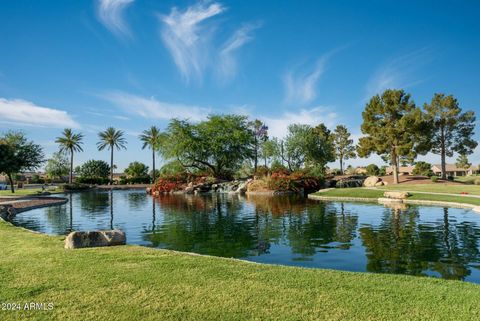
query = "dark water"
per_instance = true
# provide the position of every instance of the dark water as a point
(414, 240)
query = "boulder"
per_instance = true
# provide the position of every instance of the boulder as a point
(79, 239)
(384, 200)
(396, 195)
(371, 181)
(379, 184)
(242, 188)
(7, 212)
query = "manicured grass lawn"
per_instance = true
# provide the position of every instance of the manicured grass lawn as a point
(137, 283)
(376, 193)
(24, 192)
(436, 188)
(466, 179)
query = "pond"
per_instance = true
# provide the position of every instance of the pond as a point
(429, 241)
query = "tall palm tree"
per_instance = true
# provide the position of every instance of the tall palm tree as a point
(111, 138)
(151, 138)
(72, 143)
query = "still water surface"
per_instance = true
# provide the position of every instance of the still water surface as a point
(431, 241)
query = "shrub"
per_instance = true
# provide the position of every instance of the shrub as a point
(382, 171)
(423, 168)
(92, 180)
(434, 178)
(476, 181)
(372, 169)
(262, 171)
(75, 187)
(277, 166)
(450, 178)
(281, 182)
(258, 185)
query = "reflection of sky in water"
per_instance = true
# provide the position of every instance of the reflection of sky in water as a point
(293, 231)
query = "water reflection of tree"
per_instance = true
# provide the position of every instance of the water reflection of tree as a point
(320, 228)
(224, 225)
(136, 200)
(400, 244)
(207, 225)
(93, 203)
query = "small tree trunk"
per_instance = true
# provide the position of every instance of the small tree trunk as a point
(341, 165)
(395, 167)
(153, 165)
(256, 155)
(70, 179)
(444, 164)
(111, 165)
(11, 182)
(442, 154)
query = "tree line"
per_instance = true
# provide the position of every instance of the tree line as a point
(393, 127)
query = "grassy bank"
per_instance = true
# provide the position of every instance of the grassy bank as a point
(136, 283)
(376, 193)
(27, 191)
(436, 188)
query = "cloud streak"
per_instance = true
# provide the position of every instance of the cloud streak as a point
(277, 126)
(186, 36)
(22, 112)
(111, 14)
(228, 62)
(300, 86)
(398, 72)
(152, 108)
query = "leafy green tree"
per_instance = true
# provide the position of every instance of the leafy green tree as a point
(422, 168)
(136, 170)
(218, 145)
(18, 154)
(111, 138)
(171, 168)
(260, 135)
(306, 146)
(151, 138)
(393, 126)
(71, 143)
(372, 169)
(57, 166)
(343, 144)
(462, 162)
(270, 149)
(93, 172)
(452, 130)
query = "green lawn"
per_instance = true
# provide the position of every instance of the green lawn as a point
(24, 192)
(436, 188)
(467, 179)
(376, 193)
(137, 283)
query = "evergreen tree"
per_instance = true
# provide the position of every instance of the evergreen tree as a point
(393, 126)
(343, 144)
(452, 130)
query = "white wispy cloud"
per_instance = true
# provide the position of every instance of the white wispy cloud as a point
(187, 35)
(301, 85)
(111, 15)
(398, 73)
(227, 65)
(152, 108)
(22, 112)
(277, 126)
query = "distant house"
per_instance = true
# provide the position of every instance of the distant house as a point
(453, 170)
(402, 170)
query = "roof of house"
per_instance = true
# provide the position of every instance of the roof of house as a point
(452, 168)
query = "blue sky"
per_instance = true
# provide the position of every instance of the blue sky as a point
(90, 64)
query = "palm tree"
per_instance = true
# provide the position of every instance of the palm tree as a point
(72, 143)
(151, 138)
(111, 138)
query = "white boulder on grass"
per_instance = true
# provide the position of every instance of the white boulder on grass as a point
(396, 195)
(79, 239)
(371, 181)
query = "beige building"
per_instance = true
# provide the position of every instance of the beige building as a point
(402, 170)
(453, 170)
